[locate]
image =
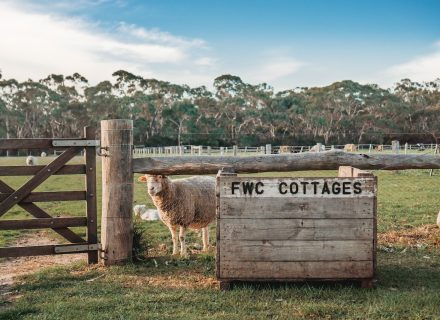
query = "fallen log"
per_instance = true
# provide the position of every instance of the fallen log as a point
(328, 160)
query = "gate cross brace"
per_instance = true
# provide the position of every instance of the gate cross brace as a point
(37, 212)
(38, 179)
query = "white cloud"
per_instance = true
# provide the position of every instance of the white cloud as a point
(157, 36)
(205, 61)
(35, 44)
(278, 68)
(421, 68)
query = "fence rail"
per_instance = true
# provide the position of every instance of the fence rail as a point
(192, 150)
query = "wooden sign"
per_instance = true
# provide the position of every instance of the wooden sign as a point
(296, 228)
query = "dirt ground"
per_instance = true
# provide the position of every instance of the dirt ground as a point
(11, 268)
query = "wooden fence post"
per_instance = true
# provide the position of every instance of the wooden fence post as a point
(117, 191)
(90, 181)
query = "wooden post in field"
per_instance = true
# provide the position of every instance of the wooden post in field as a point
(117, 191)
(209, 150)
(234, 148)
(200, 150)
(406, 147)
(222, 151)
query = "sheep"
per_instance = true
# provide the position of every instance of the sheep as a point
(43, 154)
(31, 161)
(185, 203)
(144, 213)
(350, 147)
(285, 149)
(317, 148)
(438, 219)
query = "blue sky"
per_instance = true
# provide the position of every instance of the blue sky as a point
(285, 43)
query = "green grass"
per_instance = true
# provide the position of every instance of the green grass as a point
(408, 284)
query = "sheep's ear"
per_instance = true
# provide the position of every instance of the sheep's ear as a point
(143, 178)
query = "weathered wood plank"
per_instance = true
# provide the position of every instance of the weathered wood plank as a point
(296, 229)
(328, 160)
(34, 250)
(25, 144)
(240, 187)
(62, 222)
(40, 213)
(36, 180)
(31, 143)
(91, 205)
(50, 196)
(291, 250)
(287, 270)
(269, 208)
(32, 170)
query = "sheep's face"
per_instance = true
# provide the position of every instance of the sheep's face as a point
(154, 183)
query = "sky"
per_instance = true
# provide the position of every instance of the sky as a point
(287, 44)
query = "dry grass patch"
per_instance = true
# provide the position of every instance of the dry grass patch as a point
(425, 235)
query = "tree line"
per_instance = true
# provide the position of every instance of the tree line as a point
(233, 113)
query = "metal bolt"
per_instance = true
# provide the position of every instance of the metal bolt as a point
(48, 170)
(15, 197)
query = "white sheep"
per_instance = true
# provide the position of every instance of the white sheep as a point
(438, 219)
(31, 161)
(144, 213)
(43, 154)
(317, 148)
(185, 203)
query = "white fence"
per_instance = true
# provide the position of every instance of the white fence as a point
(141, 151)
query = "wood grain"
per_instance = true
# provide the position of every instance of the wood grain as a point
(31, 170)
(288, 270)
(50, 196)
(43, 223)
(292, 250)
(91, 198)
(269, 208)
(328, 160)
(296, 229)
(117, 191)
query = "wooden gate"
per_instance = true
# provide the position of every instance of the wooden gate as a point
(25, 197)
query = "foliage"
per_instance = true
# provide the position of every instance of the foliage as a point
(234, 113)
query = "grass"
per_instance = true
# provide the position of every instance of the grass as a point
(408, 276)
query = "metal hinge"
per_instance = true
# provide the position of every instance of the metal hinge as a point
(76, 143)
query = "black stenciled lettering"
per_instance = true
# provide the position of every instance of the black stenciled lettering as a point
(315, 186)
(325, 188)
(257, 187)
(357, 187)
(336, 188)
(304, 184)
(346, 187)
(248, 187)
(235, 186)
(282, 185)
(292, 186)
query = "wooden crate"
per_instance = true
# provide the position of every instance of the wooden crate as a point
(291, 229)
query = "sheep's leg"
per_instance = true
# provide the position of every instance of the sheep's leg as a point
(173, 230)
(205, 238)
(182, 234)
